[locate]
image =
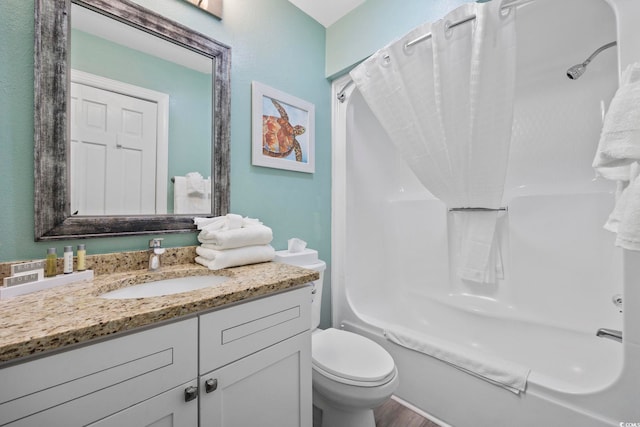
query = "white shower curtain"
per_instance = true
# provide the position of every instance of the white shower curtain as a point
(447, 105)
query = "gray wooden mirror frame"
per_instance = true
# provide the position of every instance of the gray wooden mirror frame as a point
(53, 218)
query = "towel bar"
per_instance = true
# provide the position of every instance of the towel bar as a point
(505, 208)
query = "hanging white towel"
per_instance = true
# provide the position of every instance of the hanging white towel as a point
(216, 260)
(505, 374)
(480, 253)
(196, 184)
(189, 203)
(618, 155)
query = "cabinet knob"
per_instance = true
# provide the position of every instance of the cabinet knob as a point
(210, 385)
(190, 393)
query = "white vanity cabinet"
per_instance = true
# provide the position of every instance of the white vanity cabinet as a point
(255, 363)
(165, 410)
(244, 365)
(86, 384)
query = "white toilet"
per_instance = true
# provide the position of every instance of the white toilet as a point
(351, 374)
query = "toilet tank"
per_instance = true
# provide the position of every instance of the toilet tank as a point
(307, 258)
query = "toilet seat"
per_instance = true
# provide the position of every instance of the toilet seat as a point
(351, 359)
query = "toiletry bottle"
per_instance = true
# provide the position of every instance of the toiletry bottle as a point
(156, 249)
(68, 260)
(81, 266)
(50, 266)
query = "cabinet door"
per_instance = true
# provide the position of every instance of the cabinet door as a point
(270, 388)
(235, 332)
(166, 410)
(82, 385)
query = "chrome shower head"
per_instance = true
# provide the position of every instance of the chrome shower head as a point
(577, 70)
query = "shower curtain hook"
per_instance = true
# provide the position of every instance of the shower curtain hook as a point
(505, 11)
(448, 28)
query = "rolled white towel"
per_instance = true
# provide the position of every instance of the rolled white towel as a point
(216, 260)
(250, 222)
(229, 239)
(227, 222)
(234, 221)
(203, 222)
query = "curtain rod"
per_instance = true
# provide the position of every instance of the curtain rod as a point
(427, 36)
(341, 94)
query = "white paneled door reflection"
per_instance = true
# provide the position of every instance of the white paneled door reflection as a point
(113, 153)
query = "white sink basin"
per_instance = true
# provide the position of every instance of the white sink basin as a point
(165, 287)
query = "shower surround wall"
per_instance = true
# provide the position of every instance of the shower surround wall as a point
(391, 242)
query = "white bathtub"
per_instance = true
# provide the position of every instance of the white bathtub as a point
(391, 263)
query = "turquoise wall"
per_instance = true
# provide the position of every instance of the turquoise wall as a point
(272, 42)
(373, 25)
(189, 97)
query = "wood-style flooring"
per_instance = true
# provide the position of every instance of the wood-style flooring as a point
(389, 414)
(393, 414)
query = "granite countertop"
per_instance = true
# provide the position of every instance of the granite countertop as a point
(69, 314)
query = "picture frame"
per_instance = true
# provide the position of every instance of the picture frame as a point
(283, 130)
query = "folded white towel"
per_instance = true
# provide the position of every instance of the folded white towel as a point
(507, 375)
(617, 158)
(229, 239)
(216, 260)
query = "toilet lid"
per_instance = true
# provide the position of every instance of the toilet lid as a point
(350, 356)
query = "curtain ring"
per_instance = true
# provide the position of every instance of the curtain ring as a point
(386, 60)
(448, 31)
(505, 11)
(407, 49)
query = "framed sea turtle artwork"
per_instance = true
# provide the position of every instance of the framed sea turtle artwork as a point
(214, 7)
(283, 130)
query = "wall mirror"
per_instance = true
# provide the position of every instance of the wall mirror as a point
(132, 115)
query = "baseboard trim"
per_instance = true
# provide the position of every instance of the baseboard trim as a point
(420, 412)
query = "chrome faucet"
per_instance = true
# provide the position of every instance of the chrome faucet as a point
(155, 249)
(610, 333)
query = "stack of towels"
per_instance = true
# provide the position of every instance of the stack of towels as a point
(618, 158)
(231, 240)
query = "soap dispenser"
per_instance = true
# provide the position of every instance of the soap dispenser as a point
(156, 250)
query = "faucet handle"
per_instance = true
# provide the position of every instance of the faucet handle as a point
(155, 243)
(617, 301)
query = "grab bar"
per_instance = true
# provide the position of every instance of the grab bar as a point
(610, 333)
(478, 209)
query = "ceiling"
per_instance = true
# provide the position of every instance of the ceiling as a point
(326, 12)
